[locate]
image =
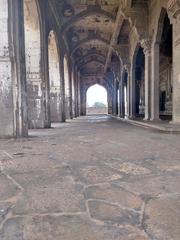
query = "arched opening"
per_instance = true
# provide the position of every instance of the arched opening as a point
(96, 100)
(139, 87)
(33, 64)
(67, 87)
(54, 78)
(165, 70)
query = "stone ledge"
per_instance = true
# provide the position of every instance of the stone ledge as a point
(161, 126)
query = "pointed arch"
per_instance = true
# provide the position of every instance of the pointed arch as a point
(96, 99)
(137, 84)
(33, 53)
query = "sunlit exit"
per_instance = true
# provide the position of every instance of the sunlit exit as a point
(96, 94)
(97, 102)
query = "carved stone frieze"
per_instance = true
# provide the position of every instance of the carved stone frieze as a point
(173, 8)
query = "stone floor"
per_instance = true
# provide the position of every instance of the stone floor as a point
(93, 178)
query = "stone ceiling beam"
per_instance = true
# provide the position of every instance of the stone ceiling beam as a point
(91, 54)
(89, 39)
(114, 39)
(85, 63)
(91, 10)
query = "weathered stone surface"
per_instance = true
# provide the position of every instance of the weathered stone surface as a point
(67, 227)
(7, 188)
(162, 217)
(62, 185)
(114, 194)
(49, 192)
(128, 168)
(153, 185)
(97, 174)
(4, 209)
(110, 213)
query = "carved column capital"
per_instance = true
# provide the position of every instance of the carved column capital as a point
(127, 67)
(173, 8)
(147, 45)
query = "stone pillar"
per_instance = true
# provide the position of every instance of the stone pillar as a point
(146, 45)
(114, 98)
(83, 101)
(110, 102)
(174, 13)
(78, 94)
(155, 83)
(119, 99)
(70, 93)
(122, 102)
(19, 68)
(45, 72)
(13, 93)
(62, 91)
(131, 93)
(128, 97)
(75, 92)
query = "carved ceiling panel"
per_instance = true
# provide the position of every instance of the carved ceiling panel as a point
(91, 29)
(88, 27)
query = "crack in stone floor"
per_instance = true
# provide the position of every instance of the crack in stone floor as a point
(92, 178)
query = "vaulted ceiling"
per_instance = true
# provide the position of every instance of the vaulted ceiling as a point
(92, 28)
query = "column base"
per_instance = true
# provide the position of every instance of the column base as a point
(155, 120)
(174, 123)
(146, 119)
(131, 117)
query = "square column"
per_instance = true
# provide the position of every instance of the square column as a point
(114, 99)
(146, 45)
(155, 83)
(62, 91)
(122, 103)
(127, 100)
(45, 72)
(174, 13)
(131, 93)
(76, 91)
(83, 101)
(79, 93)
(70, 93)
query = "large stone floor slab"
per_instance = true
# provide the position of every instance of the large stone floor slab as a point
(7, 188)
(162, 217)
(66, 228)
(114, 194)
(92, 178)
(112, 214)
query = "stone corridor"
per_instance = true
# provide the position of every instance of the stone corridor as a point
(92, 178)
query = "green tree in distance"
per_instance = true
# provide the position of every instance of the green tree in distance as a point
(99, 105)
